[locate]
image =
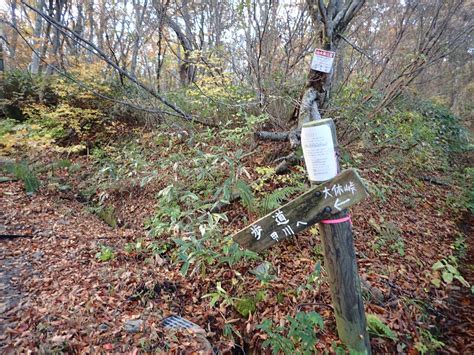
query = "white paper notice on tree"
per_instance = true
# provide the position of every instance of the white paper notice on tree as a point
(319, 152)
(322, 60)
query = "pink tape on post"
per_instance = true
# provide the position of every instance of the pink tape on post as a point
(339, 220)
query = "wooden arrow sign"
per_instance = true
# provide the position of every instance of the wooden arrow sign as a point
(345, 190)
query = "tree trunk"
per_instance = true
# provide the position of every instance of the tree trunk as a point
(35, 58)
(334, 18)
(138, 33)
(79, 29)
(101, 28)
(92, 25)
(58, 9)
(186, 70)
(14, 38)
(2, 69)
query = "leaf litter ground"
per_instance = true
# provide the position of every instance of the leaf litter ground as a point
(56, 296)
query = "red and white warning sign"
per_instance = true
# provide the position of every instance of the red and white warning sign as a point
(322, 60)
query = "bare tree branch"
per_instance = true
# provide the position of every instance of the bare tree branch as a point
(93, 48)
(86, 87)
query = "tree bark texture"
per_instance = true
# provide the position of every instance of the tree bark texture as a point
(333, 20)
(2, 68)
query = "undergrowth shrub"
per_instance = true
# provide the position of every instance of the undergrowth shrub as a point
(106, 253)
(183, 217)
(49, 111)
(96, 78)
(411, 131)
(20, 84)
(284, 187)
(124, 165)
(63, 119)
(243, 127)
(214, 96)
(20, 89)
(378, 329)
(299, 335)
(22, 171)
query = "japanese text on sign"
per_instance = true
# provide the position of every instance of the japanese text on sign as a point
(315, 205)
(338, 190)
(280, 219)
(322, 60)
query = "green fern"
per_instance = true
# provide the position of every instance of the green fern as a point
(378, 328)
(245, 193)
(277, 197)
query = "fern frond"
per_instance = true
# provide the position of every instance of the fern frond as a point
(277, 197)
(245, 193)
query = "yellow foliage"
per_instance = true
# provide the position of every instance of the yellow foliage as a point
(71, 149)
(74, 114)
(90, 73)
(62, 117)
(217, 90)
(45, 125)
(24, 137)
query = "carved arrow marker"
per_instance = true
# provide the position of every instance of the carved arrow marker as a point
(316, 204)
(338, 203)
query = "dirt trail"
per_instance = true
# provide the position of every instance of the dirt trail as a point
(51, 275)
(458, 327)
(54, 293)
(10, 295)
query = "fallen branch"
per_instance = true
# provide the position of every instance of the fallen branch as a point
(308, 112)
(272, 136)
(290, 160)
(435, 181)
(291, 136)
(7, 179)
(374, 292)
(14, 236)
(294, 137)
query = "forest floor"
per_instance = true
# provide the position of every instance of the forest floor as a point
(57, 296)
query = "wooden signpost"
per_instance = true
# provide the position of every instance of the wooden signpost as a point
(315, 205)
(327, 204)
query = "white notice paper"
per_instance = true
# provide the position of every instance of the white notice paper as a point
(322, 60)
(319, 153)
